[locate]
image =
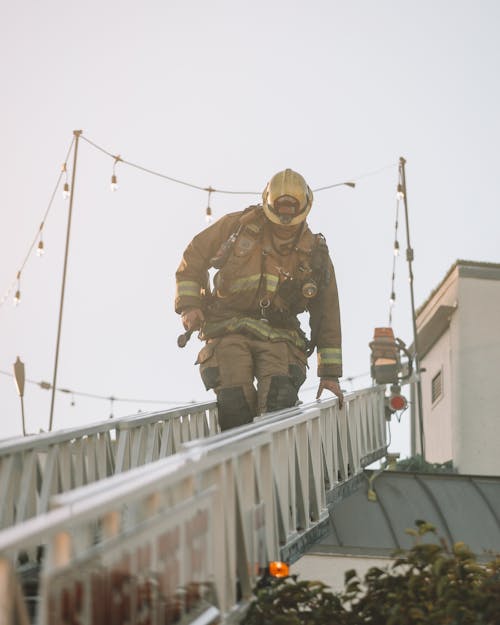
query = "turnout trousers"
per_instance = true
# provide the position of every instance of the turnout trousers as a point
(251, 376)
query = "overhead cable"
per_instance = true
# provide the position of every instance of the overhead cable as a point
(47, 386)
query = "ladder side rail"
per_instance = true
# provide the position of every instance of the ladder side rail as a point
(55, 462)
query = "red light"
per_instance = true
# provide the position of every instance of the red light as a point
(398, 402)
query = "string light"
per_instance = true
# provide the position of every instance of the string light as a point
(47, 386)
(351, 184)
(208, 212)
(114, 179)
(395, 251)
(66, 183)
(114, 186)
(17, 295)
(337, 184)
(40, 250)
(6, 296)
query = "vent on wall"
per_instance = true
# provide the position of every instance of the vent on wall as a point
(437, 386)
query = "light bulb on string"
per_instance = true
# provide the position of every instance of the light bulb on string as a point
(66, 184)
(208, 211)
(396, 248)
(400, 193)
(17, 294)
(114, 179)
(392, 300)
(40, 250)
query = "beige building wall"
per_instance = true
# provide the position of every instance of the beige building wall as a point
(330, 569)
(459, 341)
(476, 431)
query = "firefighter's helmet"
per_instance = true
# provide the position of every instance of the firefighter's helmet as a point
(287, 199)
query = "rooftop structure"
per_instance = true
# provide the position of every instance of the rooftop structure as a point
(459, 347)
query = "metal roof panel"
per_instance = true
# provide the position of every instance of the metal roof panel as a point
(463, 508)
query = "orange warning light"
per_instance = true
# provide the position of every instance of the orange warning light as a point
(279, 569)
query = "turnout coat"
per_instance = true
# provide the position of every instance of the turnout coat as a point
(261, 285)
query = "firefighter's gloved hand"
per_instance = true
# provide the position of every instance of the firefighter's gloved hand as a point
(192, 318)
(331, 384)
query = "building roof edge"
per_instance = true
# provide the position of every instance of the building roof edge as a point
(459, 263)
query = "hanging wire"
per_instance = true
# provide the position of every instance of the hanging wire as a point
(109, 398)
(210, 189)
(160, 175)
(337, 184)
(352, 184)
(37, 236)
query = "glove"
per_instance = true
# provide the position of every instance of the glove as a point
(331, 384)
(192, 318)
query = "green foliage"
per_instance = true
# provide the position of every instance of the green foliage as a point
(287, 601)
(418, 464)
(430, 584)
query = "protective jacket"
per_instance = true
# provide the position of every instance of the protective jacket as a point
(262, 285)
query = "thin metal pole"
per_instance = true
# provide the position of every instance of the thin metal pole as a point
(77, 134)
(409, 258)
(22, 415)
(19, 376)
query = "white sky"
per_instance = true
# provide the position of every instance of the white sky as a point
(226, 93)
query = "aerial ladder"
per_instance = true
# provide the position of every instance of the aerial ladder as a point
(159, 518)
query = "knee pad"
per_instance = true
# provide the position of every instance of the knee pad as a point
(209, 367)
(233, 407)
(297, 375)
(210, 377)
(282, 393)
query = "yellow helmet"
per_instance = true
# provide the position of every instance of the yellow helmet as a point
(287, 199)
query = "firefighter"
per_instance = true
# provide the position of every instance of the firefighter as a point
(269, 268)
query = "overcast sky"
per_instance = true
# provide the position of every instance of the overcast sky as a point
(225, 93)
